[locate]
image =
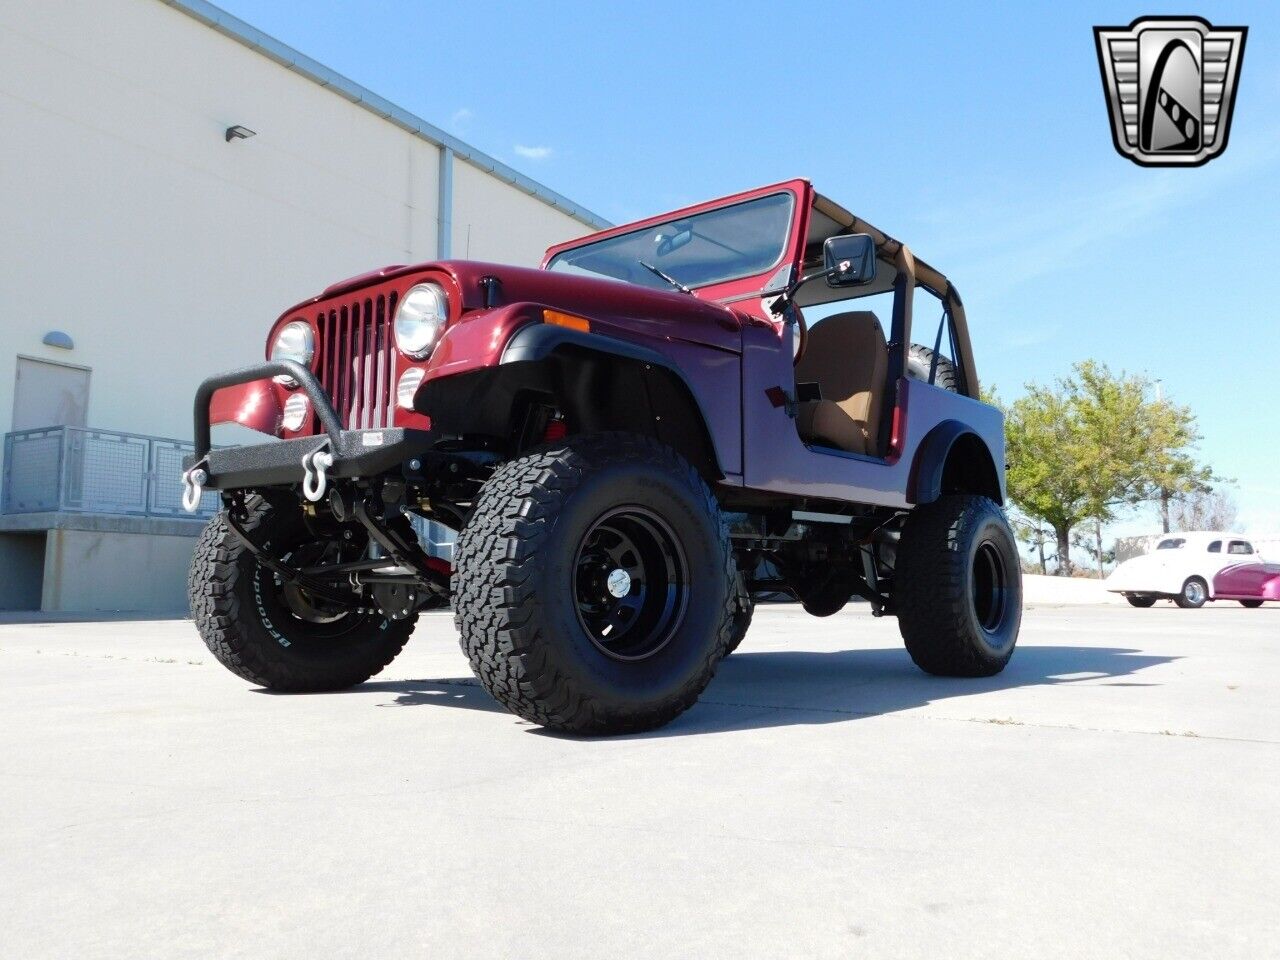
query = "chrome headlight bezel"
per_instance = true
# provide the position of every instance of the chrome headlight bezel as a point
(302, 348)
(420, 319)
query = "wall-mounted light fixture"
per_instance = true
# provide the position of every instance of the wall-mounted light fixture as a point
(56, 338)
(239, 133)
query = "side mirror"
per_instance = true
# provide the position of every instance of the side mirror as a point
(850, 260)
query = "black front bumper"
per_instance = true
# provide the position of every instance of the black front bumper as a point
(356, 453)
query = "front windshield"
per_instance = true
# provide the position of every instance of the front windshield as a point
(723, 244)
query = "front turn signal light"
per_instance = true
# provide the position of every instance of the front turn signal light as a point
(573, 322)
(295, 413)
(407, 388)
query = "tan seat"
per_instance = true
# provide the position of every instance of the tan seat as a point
(847, 357)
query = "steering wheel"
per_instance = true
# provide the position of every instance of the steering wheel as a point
(802, 331)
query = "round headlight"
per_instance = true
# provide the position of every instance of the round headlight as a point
(295, 341)
(420, 319)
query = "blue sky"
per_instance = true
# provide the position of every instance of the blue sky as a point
(976, 133)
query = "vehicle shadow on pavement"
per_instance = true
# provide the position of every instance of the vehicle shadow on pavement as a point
(781, 688)
(464, 692)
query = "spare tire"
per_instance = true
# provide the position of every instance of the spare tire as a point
(920, 362)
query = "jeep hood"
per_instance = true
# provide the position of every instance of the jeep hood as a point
(609, 303)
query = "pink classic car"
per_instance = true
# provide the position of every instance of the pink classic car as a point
(1250, 583)
(1189, 569)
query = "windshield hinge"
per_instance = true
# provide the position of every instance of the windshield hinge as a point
(492, 288)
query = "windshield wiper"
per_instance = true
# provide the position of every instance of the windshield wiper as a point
(671, 280)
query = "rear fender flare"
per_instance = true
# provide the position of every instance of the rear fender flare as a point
(973, 470)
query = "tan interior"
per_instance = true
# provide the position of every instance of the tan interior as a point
(847, 357)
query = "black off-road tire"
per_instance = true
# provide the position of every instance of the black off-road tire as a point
(252, 632)
(515, 586)
(1140, 599)
(919, 361)
(955, 619)
(745, 610)
(1251, 604)
(1193, 595)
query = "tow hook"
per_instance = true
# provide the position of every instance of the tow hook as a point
(193, 482)
(314, 481)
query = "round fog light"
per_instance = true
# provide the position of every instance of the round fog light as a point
(408, 386)
(295, 412)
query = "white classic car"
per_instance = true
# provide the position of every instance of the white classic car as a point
(1181, 568)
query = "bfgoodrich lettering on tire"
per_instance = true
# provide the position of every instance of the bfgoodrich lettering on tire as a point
(594, 585)
(271, 633)
(958, 587)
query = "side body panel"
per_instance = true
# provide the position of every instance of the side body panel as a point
(715, 380)
(1248, 581)
(777, 460)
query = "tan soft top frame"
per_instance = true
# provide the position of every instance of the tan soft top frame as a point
(909, 273)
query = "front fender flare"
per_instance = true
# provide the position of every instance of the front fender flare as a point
(539, 342)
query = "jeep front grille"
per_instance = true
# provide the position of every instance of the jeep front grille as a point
(356, 360)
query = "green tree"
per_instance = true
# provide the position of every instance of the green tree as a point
(1045, 443)
(1092, 443)
(1174, 473)
(1090, 541)
(1034, 534)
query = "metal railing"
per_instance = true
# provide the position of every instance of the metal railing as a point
(83, 470)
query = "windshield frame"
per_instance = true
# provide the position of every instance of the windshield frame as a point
(749, 284)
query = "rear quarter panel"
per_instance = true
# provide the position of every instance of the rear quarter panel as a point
(777, 460)
(1248, 581)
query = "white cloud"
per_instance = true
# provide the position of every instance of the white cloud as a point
(461, 116)
(532, 153)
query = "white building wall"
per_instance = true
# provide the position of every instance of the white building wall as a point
(501, 223)
(164, 251)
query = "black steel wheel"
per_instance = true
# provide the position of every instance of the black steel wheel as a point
(594, 585)
(1251, 604)
(990, 587)
(631, 583)
(1140, 599)
(958, 587)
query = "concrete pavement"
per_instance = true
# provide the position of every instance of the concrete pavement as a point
(1112, 794)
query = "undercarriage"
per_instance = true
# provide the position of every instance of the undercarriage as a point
(821, 560)
(357, 489)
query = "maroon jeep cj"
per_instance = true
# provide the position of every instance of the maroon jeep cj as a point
(667, 420)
